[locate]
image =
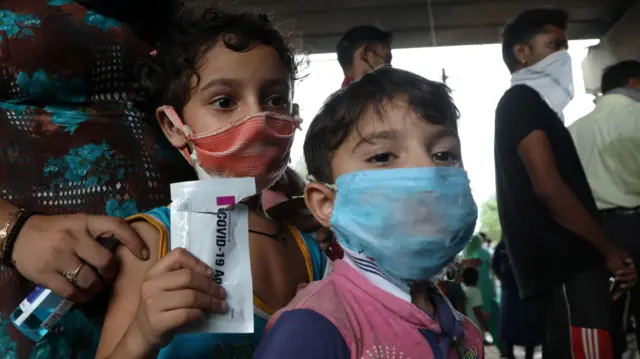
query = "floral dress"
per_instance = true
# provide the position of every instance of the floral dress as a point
(72, 141)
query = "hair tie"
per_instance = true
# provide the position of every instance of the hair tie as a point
(154, 52)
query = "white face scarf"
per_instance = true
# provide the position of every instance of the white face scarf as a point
(552, 78)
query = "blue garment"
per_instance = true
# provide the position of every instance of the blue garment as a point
(303, 334)
(518, 322)
(229, 346)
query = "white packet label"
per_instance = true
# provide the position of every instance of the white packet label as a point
(220, 238)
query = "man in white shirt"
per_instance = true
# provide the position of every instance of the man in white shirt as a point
(608, 144)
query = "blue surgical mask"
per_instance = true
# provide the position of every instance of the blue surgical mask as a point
(409, 222)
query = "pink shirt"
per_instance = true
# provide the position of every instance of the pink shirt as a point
(378, 325)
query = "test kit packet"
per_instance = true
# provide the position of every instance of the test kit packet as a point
(208, 221)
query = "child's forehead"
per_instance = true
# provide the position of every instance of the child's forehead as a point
(258, 61)
(393, 115)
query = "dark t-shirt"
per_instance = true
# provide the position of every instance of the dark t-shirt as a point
(543, 253)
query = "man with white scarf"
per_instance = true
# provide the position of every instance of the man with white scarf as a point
(608, 143)
(561, 257)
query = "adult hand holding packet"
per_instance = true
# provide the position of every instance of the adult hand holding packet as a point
(208, 221)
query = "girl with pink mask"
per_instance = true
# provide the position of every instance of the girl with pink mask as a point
(221, 86)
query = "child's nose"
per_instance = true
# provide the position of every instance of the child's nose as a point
(421, 159)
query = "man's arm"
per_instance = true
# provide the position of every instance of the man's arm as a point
(563, 205)
(302, 334)
(565, 208)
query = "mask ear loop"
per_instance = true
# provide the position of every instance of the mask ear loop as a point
(311, 178)
(188, 152)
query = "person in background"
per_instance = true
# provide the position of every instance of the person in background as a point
(473, 303)
(475, 250)
(560, 254)
(383, 146)
(518, 324)
(75, 154)
(361, 50)
(487, 243)
(608, 144)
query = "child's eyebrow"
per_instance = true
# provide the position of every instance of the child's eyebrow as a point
(217, 82)
(374, 136)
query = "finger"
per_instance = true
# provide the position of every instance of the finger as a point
(628, 261)
(62, 287)
(95, 255)
(188, 279)
(179, 259)
(105, 226)
(189, 298)
(626, 272)
(87, 279)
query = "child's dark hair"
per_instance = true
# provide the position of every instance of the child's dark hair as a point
(165, 76)
(470, 276)
(343, 110)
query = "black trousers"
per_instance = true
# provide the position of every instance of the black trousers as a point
(577, 317)
(622, 226)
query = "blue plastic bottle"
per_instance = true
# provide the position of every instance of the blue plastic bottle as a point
(42, 309)
(39, 312)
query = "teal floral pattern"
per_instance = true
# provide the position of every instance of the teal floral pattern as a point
(59, 2)
(17, 25)
(73, 140)
(124, 208)
(103, 22)
(91, 164)
(66, 117)
(7, 346)
(43, 86)
(73, 332)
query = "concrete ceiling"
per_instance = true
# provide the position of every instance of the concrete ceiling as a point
(457, 22)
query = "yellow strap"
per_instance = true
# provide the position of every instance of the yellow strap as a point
(163, 247)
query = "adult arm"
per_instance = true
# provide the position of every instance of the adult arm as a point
(562, 204)
(47, 246)
(302, 334)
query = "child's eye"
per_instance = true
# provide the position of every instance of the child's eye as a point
(382, 158)
(278, 101)
(224, 102)
(446, 158)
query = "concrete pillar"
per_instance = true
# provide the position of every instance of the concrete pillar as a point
(621, 42)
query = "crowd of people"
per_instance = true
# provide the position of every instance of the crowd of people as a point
(106, 103)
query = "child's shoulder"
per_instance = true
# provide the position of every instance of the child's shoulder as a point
(153, 227)
(321, 296)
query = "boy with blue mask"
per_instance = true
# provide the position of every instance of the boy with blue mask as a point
(384, 155)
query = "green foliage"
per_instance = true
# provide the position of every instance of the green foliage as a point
(490, 220)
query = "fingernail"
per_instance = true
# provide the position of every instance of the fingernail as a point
(145, 254)
(224, 307)
(210, 271)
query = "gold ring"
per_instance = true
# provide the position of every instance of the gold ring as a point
(73, 276)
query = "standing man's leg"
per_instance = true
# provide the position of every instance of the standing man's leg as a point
(577, 318)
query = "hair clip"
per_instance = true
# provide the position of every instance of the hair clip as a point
(153, 53)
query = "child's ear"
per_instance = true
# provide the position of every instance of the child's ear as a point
(171, 131)
(319, 199)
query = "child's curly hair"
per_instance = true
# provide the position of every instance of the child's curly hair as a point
(165, 76)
